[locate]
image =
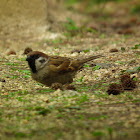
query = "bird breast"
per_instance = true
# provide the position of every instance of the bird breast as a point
(41, 74)
(45, 76)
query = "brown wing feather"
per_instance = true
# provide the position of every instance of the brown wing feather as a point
(55, 60)
(65, 64)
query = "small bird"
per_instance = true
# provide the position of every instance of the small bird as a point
(54, 69)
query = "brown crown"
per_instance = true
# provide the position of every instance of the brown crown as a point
(37, 53)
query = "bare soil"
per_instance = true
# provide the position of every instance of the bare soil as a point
(30, 110)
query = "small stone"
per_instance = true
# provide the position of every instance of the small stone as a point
(25, 121)
(6, 93)
(57, 91)
(113, 50)
(47, 101)
(56, 86)
(76, 51)
(0, 85)
(113, 70)
(27, 50)
(93, 97)
(116, 76)
(2, 80)
(11, 52)
(68, 87)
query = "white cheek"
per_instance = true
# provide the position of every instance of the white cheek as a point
(40, 65)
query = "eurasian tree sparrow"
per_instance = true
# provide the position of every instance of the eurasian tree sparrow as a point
(54, 69)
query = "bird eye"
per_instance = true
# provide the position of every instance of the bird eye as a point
(42, 60)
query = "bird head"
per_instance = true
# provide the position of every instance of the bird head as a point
(36, 60)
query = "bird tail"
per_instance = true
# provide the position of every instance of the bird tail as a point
(78, 64)
(89, 59)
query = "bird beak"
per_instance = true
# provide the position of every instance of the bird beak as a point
(28, 58)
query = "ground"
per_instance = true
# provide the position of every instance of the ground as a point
(30, 110)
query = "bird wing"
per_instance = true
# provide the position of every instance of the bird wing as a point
(57, 60)
(64, 64)
(59, 64)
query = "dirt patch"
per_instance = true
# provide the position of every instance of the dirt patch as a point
(32, 111)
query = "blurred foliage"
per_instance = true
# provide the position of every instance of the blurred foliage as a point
(137, 46)
(136, 9)
(87, 5)
(72, 29)
(70, 25)
(90, 1)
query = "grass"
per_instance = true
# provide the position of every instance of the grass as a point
(135, 9)
(29, 110)
(72, 30)
(137, 46)
(73, 116)
(97, 67)
(46, 90)
(55, 42)
(11, 64)
(40, 111)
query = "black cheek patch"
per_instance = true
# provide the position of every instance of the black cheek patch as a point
(31, 62)
(32, 65)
